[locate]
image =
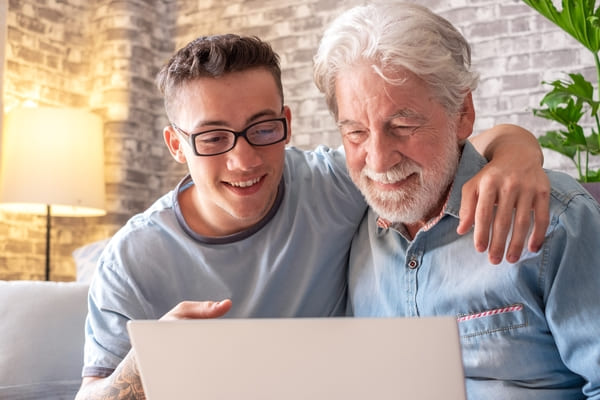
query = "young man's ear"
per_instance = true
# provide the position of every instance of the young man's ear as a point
(466, 118)
(174, 144)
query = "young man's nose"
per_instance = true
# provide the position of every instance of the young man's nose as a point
(243, 156)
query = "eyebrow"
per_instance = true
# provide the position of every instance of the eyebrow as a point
(255, 117)
(408, 113)
(345, 122)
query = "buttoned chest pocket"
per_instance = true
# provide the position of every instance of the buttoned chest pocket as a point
(496, 320)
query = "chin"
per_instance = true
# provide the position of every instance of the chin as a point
(401, 207)
(252, 215)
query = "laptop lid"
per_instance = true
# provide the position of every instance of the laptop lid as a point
(300, 359)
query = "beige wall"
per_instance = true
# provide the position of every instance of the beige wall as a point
(3, 12)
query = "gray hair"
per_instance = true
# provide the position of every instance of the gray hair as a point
(397, 35)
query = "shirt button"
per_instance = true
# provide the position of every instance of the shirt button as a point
(412, 264)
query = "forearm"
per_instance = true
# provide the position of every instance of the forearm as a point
(123, 384)
(508, 140)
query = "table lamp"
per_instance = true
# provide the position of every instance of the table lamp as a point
(52, 163)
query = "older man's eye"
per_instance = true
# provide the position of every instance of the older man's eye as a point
(404, 130)
(355, 136)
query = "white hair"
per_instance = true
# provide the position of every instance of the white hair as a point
(397, 35)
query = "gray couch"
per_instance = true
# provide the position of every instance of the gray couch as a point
(41, 339)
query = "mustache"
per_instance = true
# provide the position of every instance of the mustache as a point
(395, 174)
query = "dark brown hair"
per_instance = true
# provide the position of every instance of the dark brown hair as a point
(214, 56)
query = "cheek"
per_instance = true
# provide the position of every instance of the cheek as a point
(355, 159)
(203, 169)
(274, 157)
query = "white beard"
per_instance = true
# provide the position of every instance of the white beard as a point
(418, 198)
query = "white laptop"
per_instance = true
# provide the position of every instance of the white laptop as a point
(300, 359)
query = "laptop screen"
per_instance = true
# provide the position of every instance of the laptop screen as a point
(300, 359)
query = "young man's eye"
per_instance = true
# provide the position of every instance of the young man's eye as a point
(212, 139)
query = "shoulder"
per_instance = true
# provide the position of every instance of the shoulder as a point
(566, 194)
(160, 212)
(322, 172)
(143, 234)
(574, 214)
(321, 158)
(317, 181)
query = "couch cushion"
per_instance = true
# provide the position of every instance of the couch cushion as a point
(86, 258)
(41, 331)
(63, 390)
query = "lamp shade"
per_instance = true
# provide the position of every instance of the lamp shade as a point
(52, 156)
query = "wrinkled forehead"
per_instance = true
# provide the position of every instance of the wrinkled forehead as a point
(365, 88)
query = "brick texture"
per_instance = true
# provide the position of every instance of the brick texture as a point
(103, 55)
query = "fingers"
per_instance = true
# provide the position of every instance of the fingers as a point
(502, 221)
(521, 222)
(498, 214)
(477, 209)
(533, 202)
(541, 221)
(198, 310)
(484, 214)
(496, 199)
(468, 206)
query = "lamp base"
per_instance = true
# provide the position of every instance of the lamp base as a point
(48, 227)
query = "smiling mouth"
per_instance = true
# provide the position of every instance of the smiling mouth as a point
(245, 184)
(387, 185)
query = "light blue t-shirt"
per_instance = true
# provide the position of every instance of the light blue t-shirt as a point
(529, 330)
(292, 264)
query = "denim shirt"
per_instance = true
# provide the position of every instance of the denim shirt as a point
(529, 330)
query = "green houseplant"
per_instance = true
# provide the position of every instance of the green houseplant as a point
(572, 97)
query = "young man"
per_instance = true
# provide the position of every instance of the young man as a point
(399, 83)
(267, 228)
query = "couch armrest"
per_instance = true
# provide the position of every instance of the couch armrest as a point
(41, 331)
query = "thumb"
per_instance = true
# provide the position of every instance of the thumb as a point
(198, 310)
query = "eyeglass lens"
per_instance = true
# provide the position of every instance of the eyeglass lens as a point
(259, 134)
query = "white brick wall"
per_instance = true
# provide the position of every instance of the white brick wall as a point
(514, 49)
(104, 54)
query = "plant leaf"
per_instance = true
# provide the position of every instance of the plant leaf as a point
(575, 137)
(593, 176)
(577, 86)
(554, 140)
(569, 112)
(577, 18)
(592, 144)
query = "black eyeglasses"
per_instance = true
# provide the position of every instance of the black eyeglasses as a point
(219, 141)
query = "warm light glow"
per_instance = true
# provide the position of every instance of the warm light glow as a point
(52, 156)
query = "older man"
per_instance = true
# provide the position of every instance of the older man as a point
(398, 80)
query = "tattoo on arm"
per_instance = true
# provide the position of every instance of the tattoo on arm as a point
(123, 384)
(127, 384)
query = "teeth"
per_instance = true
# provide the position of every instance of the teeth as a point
(245, 184)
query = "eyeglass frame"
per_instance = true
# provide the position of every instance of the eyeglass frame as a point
(192, 136)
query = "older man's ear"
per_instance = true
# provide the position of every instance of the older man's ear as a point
(466, 119)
